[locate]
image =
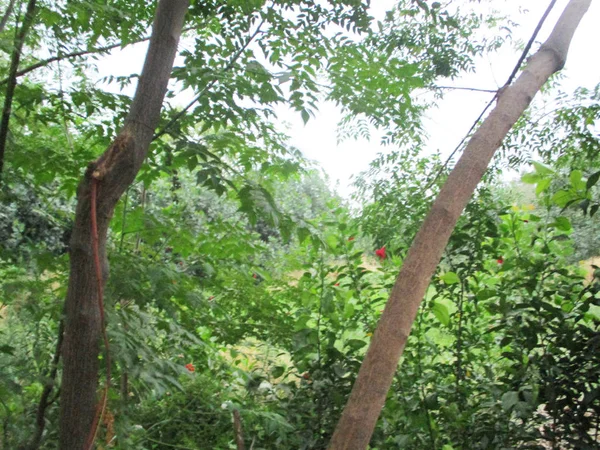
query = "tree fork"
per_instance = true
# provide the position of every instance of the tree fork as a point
(354, 430)
(114, 171)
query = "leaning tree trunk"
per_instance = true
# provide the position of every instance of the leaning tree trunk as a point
(112, 173)
(374, 379)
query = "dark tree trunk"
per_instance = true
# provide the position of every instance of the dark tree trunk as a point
(15, 59)
(113, 172)
(375, 377)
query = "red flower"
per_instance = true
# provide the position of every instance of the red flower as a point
(381, 252)
(500, 260)
(254, 275)
(190, 367)
(350, 239)
(336, 284)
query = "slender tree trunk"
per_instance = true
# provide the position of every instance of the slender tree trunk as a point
(368, 395)
(113, 172)
(12, 78)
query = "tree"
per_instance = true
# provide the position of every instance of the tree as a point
(368, 395)
(103, 184)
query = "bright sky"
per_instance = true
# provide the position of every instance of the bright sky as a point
(447, 124)
(450, 121)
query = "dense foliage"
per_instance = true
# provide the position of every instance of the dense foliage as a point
(240, 282)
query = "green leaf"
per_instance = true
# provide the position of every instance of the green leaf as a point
(530, 178)
(356, 344)
(576, 178)
(542, 169)
(450, 278)
(277, 371)
(542, 186)
(441, 313)
(303, 233)
(562, 223)
(305, 115)
(7, 349)
(562, 197)
(592, 180)
(509, 400)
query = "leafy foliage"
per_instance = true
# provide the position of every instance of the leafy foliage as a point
(241, 282)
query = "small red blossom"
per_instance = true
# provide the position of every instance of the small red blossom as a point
(350, 239)
(500, 260)
(190, 367)
(380, 252)
(254, 275)
(336, 284)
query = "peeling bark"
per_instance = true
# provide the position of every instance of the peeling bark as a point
(114, 171)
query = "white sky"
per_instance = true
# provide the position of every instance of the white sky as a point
(449, 122)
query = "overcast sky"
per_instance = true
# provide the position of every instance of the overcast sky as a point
(446, 124)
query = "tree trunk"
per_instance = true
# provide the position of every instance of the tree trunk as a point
(374, 379)
(113, 172)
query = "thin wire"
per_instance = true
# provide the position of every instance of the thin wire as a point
(498, 92)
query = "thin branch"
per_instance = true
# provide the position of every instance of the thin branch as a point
(7, 14)
(45, 400)
(210, 83)
(76, 54)
(12, 78)
(459, 88)
(71, 55)
(498, 92)
(238, 430)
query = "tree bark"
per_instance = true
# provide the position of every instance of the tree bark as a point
(113, 172)
(369, 392)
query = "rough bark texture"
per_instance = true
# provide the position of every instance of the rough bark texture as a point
(369, 392)
(115, 170)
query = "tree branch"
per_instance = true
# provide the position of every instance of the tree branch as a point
(210, 83)
(498, 92)
(9, 10)
(458, 88)
(12, 78)
(75, 54)
(45, 400)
